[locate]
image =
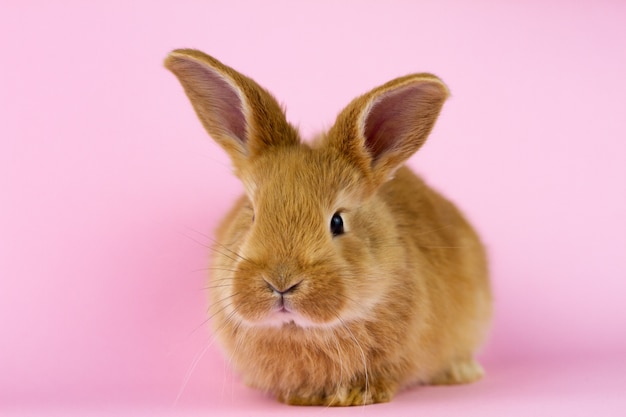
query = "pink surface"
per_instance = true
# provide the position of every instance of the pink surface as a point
(109, 190)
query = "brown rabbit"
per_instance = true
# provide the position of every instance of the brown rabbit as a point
(339, 277)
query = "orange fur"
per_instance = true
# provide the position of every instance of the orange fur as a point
(401, 297)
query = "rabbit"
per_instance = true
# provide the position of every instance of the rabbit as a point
(339, 277)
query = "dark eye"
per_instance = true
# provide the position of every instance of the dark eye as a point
(336, 225)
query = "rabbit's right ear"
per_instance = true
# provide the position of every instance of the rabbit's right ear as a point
(239, 114)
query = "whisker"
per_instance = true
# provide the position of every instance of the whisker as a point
(221, 279)
(212, 315)
(190, 370)
(213, 268)
(227, 319)
(204, 245)
(427, 246)
(334, 337)
(210, 287)
(218, 302)
(243, 258)
(228, 365)
(444, 247)
(224, 254)
(367, 383)
(198, 357)
(435, 230)
(222, 246)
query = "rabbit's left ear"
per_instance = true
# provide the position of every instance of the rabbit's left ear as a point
(380, 130)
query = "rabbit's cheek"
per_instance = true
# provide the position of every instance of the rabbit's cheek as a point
(321, 308)
(253, 304)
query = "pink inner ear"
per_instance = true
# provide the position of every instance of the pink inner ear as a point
(399, 117)
(220, 101)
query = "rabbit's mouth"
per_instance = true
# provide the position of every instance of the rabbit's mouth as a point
(284, 305)
(269, 301)
(284, 316)
(284, 312)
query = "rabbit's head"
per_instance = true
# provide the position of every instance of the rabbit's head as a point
(312, 244)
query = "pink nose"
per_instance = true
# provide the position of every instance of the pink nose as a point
(283, 291)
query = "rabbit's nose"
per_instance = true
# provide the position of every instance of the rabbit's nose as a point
(281, 290)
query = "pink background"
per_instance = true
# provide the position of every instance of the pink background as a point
(109, 189)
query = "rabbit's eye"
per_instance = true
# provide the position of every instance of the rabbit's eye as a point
(336, 225)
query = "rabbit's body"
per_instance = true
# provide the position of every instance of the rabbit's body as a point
(393, 293)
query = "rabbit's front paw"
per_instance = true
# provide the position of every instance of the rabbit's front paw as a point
(459, 372)
(362, 392)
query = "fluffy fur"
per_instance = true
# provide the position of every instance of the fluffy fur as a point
(401, 297)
